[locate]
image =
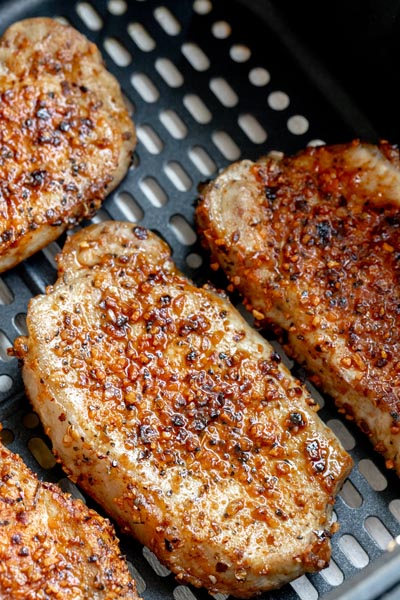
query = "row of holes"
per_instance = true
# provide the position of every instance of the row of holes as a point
(199, 156)
(145, 42)
(119, 7)
(164, 17)
(168, 22)
(222, 140)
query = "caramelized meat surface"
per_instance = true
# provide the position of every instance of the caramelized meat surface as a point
(178, 417)
(312, 243)
(51, 545)
(66, 137)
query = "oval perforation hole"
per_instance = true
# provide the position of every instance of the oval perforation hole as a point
(41, 452)
(62, 20)
(195, 56)
(202, 160)
(353, 551)
(6, 383)
(183, 593)
(304, 588)
(394, 508)
(342, 433)
(141, 37)
(153, 192)
(140, 582)
(130, 107)
(194, 260)
(332, 574)
(169, 72)
(50, 252)
(275, 154)
(178, 176)
(149, 138)
(6, 295)
(350, 495)
(259, 76)
(221, 30)
(100, 216)
(316, 142)
(252, 128)
(298, 125)
(317, 396)
(372, 474)
(182, 230)
(129, 207)
(155, 564)
(119, 54)
(7, 436)
(225, 144)
(167, 20)
(135, 162)
(378, 532)
(173, 124)
(223, 91)
(31, 420)
(240, 53)
(202, 7)
(196, 107)
(278, 100)
(145, 87)
(89, 16)
(117, 7)
(4, 345)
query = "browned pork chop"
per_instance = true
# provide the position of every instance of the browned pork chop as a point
(312, 242)
(51, 545)
(66, 137)
(178, 417)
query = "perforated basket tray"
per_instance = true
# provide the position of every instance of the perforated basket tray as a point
(209, 82)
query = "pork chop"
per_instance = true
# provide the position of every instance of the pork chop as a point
(66, 137)
(53, 546)
(312, 243)
(168, 409)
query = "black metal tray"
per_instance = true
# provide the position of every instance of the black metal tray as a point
(209, 81)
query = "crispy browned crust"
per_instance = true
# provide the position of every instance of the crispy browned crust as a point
(175, 415)
(66, 137)
(51, 545)
(312, 242)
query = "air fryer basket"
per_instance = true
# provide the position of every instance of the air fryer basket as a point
(209, 82)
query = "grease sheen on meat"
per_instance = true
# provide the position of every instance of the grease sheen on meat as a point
(312, 242)
(66, 137)
(53, 546)
(178, 417)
